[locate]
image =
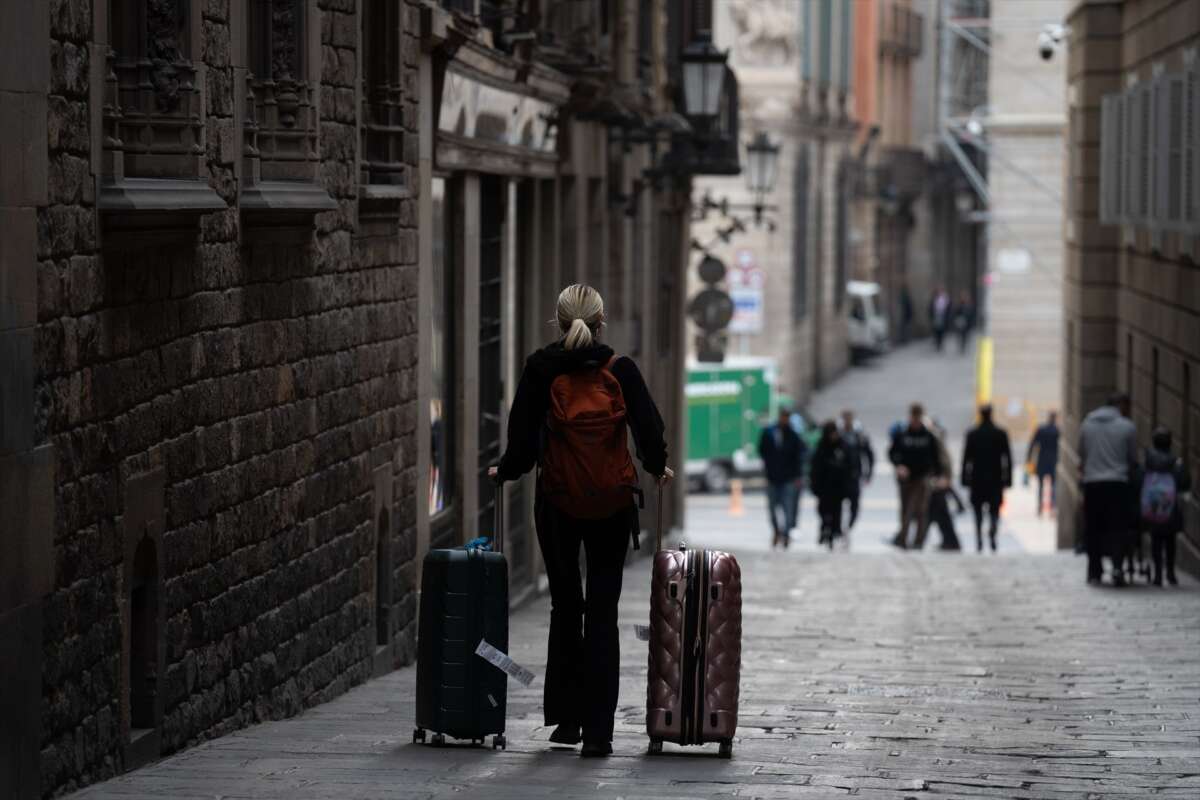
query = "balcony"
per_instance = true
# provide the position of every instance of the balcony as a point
(574, 37)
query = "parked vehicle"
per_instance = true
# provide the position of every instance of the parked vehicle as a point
(867, 327)
(728, 404)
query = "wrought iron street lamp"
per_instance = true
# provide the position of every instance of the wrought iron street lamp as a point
(762, 169)
(703, 77)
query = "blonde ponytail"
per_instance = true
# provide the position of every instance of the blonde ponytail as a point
(578, 336)
(580, 314)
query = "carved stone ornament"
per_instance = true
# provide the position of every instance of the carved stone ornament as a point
(162, 48)
(765, 32)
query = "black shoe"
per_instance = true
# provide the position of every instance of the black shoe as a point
(1171, 579)
(993, 544)
(1118, 579)
(566, 734)
(595, 750)
(1157, 580)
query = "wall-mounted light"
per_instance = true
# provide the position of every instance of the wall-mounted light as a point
(703, 77)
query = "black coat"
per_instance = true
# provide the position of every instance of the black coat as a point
(1045, 442)
(527, 419)
(987, 460)
(833, 474)
(784, 462)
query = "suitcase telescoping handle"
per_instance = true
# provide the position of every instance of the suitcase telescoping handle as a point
(658, 530)
(498, 539)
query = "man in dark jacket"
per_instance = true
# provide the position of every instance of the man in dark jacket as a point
(914, 452)
(783, 453)
(1044, 446)
(987, 472)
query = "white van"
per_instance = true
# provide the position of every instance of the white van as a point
(867, 327)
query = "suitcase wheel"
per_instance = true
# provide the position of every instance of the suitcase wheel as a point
(438, 740)
(499, 741)
(418, 735)
(655, 747)
(726, 750)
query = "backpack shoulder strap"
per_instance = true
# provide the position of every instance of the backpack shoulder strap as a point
(608, 365)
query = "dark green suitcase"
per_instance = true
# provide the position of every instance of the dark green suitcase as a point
(464, 599)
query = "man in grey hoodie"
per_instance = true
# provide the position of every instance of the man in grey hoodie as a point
(1108, 457)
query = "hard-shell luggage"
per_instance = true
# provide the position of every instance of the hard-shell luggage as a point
(695, 647)
(464, 599)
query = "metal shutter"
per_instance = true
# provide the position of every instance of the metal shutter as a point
(1190, 183)
(1172, 158)
(1108, 107)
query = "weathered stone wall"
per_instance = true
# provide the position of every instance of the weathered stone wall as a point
(268, 374)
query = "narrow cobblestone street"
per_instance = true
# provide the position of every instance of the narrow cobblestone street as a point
(867, 673)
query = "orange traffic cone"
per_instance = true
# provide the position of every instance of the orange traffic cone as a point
(735, 498)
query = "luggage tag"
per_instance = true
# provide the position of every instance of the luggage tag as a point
(503, 663)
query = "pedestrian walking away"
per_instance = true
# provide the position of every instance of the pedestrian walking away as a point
(1164, 480)
(963, 320)
(572, 408)
(1108, 464)
(939, 316)
(1043, 455)
(986, 472)
(914, 452)
(784, 455)
(831, 476)
(862, 460)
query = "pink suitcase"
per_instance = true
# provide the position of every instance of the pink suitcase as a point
(695, 647)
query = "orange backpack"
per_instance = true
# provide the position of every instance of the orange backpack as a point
(586, 469)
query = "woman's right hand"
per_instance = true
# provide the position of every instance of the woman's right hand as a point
(666, 477)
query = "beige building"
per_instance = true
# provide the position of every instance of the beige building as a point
(1132, 237)
(1023, 125)
(794, 65)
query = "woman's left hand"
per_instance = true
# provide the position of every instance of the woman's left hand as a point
(493, 472)
(666, 477)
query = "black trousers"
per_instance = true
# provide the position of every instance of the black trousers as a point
(854, 497)
(583, 654)
(829, 506)
(1106, 524)
(1162, 544)
(939, 515)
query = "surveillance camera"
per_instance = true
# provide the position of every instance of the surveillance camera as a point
(1049, 38)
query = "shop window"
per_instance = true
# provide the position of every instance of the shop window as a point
(441, 358)
(383, 111)
(383, 581)
(143, 677)
(153, 114)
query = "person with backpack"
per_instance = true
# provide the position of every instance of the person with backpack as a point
(1165, 479)
(573, 407)
(832, 477)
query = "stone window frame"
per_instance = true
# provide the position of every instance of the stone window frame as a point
(383, 173)
(150, 112)
(278, 115)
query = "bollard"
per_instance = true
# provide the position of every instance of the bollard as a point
(735, 498)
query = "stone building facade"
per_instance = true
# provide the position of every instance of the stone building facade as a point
(209, 276)
(268, 274)
(1132, 236)
(1024, 124)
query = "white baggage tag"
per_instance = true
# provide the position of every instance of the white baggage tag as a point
(642, 632)
(503, 663)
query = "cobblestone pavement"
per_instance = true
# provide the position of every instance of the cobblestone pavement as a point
(868, 673)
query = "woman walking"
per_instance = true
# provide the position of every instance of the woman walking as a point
(832, 476)
(575, 401)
